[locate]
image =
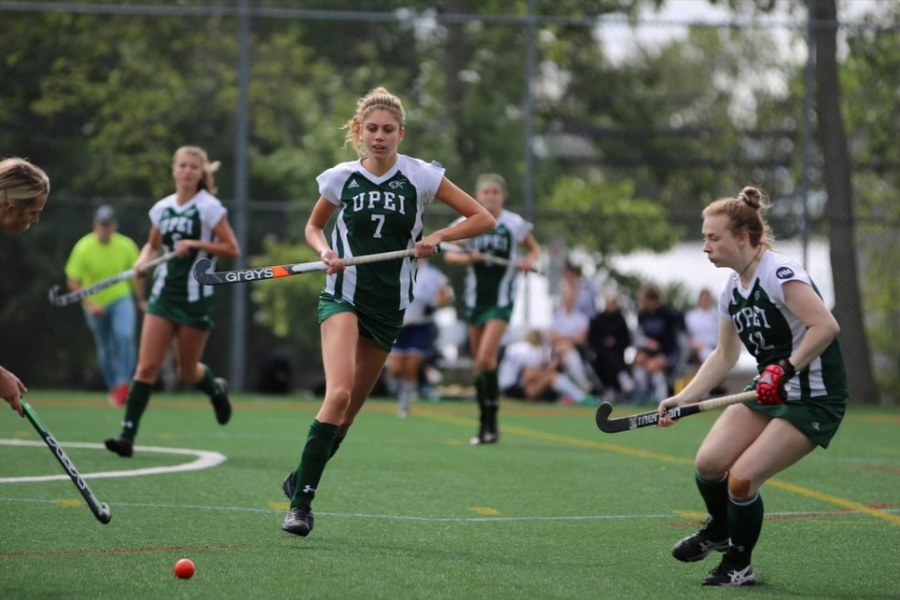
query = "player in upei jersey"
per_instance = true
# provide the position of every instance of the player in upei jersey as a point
(194, 223)
(490, 293)
(771, 306)
(379, 201)
(24, 189)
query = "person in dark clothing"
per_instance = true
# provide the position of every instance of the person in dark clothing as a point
(659, 349)
(608, 338)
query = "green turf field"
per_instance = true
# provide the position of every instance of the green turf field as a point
(407, 509)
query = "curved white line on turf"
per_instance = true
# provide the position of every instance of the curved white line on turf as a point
(205, 459)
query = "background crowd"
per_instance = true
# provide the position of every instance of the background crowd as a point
(603, 343)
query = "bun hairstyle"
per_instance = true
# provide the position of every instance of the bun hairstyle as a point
(745, 213)
(377, 99)
(207, 181)
(754, 198)
(22, 184)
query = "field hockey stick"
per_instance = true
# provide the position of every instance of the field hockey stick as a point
(203, 274)
(485, 258)
(100, 510)
(647, 419)
(58, 299)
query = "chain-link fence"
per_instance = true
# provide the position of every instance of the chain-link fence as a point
(613, 129)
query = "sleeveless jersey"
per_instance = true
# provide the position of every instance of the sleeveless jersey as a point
(378, 214)
(771, 332)
(173, 281)
(492, 285)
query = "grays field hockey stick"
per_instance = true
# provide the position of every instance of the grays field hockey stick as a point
(58, 299)
(648, 419)
(485, 258)
(100, 509)
(204, 275)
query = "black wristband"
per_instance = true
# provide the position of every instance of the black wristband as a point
(788, 368)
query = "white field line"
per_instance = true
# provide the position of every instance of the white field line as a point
(368, 516)
(204, 459)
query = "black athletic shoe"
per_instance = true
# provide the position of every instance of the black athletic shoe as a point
(299, 521)
(122, 446)
(288, 486)
(731, 575)
(700, 545)
(220, 402)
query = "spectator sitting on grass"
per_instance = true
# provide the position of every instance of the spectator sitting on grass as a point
(530, 371)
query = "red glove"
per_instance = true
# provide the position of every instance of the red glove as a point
(772, 385)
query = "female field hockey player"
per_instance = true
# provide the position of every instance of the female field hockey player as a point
(379, 201)
(194, 223)
(490, 293)
(24, 189)
(771, 305)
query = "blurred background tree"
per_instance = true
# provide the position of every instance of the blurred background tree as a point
(628, 144)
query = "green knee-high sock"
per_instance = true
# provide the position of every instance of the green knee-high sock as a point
(138, 398)
(208, 385)
(480, 395)
(491, 399)
(337, 444)
(715, 495)
(745, 519)
(315, 456)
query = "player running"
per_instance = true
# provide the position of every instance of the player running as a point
(194, 223)
(379, 201)
(490, 293)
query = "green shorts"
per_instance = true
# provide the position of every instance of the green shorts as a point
(479, 316)
(382, 328)
(197, 315)
(817, 418)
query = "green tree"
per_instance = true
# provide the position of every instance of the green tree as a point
(613, 220)
(838, 181)
(870, 78)
(288, 307)
(102, 100)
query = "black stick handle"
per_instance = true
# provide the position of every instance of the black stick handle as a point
(649, 419)
(99, 509)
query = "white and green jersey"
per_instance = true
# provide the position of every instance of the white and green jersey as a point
(771, 332)
(378, 214)
(492, 285)
(194, 220)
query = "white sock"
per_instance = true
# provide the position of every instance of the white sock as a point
(565, 386)
(406, 394)
(642, 380)
(660, 386)
(575, 369)
(626, 382)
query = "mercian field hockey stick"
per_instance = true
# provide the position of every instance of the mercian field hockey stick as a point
(58, 299)
(100, 510)
(647, 419)
(203, 274)
(485, 258)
